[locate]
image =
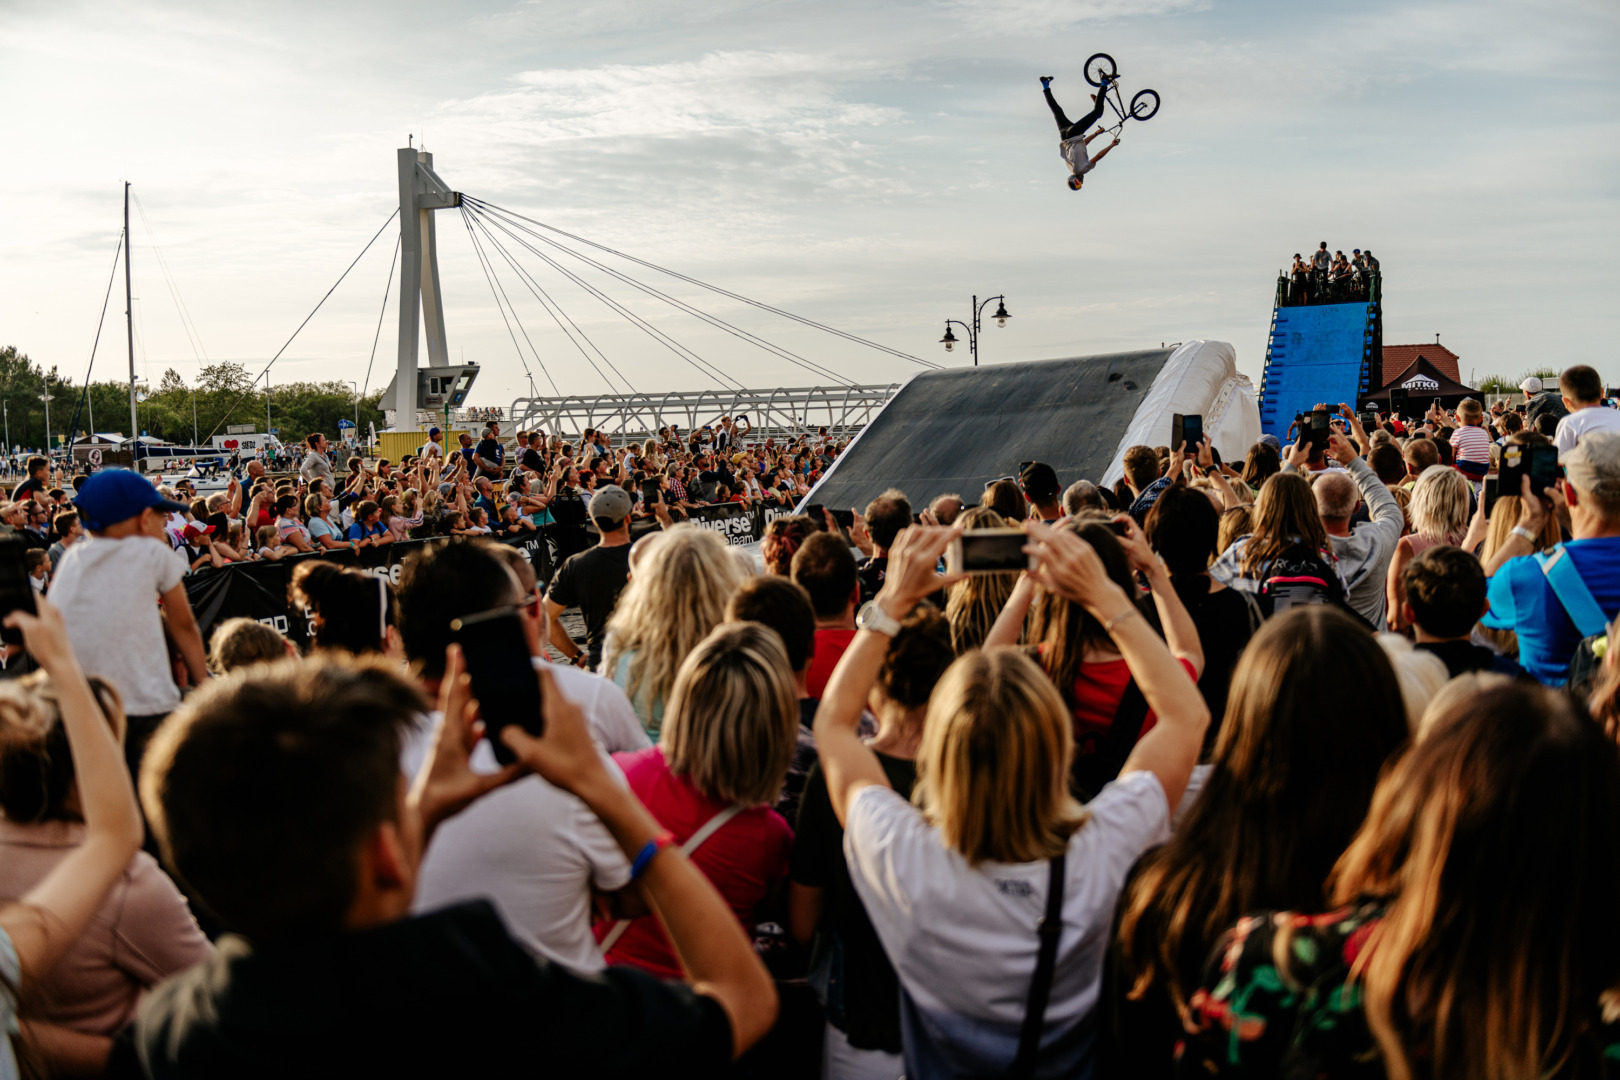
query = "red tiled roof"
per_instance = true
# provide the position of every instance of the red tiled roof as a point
(1397, 358)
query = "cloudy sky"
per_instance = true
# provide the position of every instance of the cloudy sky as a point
(870, 165)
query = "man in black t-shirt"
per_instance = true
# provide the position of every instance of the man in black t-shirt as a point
(593, 579)
(279, 802)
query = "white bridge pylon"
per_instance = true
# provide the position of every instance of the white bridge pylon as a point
(420, 193)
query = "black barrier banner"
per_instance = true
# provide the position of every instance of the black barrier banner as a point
(768, 514)
(736, 523)
(258, 590)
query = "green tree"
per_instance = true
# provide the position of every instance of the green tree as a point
(226, 376)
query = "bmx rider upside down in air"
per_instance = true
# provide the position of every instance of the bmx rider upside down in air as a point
(1075, 139)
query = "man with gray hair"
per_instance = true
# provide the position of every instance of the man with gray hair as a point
(1364, 550)
(1082, 495)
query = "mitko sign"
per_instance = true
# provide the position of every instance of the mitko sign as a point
(1420, 382)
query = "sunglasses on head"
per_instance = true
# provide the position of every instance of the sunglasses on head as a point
(999, 479)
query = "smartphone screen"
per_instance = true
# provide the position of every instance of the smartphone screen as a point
(649, 492)
(1490, 494)
(845, 518)
(1317, 431)
(988, 551)
(1369, 418)
(1397, 402)
(1186, 431)
(496, 652)
(1511, 472)
(1544, 471)
(16, 593)
(813, 510)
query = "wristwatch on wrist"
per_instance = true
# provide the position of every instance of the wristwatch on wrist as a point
(873, 617)
(1521, 531)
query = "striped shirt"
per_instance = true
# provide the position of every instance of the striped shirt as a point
(1472, 443)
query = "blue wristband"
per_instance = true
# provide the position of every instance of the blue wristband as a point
(644, 857)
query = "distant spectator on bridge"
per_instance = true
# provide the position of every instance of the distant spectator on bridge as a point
(1321, 260)
(1582, 390)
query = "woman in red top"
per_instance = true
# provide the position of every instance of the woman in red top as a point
(728, 738)
(1079, 655)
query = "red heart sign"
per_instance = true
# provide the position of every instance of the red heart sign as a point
(231, 444)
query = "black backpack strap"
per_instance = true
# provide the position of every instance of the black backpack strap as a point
(1040, 987)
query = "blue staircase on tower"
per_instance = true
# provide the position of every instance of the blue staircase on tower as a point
(1318, 353)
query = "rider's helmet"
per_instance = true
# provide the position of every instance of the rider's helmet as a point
(1075, 182)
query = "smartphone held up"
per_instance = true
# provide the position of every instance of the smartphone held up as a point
(988, 551)
(495, 650)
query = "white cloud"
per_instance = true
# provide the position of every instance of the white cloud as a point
(870, 165)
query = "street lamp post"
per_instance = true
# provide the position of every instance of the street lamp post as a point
(1001, 317)
(356, 409)
(46, 398)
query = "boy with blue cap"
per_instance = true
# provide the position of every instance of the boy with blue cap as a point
(108, 587)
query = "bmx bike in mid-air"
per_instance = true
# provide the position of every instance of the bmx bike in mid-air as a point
(1100, 67)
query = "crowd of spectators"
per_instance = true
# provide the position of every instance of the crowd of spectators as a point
(1299, 764)
(326, 502)
(1325, 277)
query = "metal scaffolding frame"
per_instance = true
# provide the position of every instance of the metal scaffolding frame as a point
(784, 411)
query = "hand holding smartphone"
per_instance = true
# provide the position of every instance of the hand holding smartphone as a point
(1186, 431)
(988, 551)
(496, 652)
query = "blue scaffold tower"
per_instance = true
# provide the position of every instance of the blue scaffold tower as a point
(1323, 352)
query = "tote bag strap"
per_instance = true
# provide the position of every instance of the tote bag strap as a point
(693, 842)
(1049, 929)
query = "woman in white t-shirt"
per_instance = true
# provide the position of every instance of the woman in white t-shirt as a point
(957, 885)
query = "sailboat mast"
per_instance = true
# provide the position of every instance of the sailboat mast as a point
(129, 325)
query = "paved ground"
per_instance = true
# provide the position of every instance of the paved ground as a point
(574, 623)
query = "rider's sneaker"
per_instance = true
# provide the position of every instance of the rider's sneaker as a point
(1046, 82)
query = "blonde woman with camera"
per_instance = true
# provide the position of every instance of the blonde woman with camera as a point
(992, 889)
